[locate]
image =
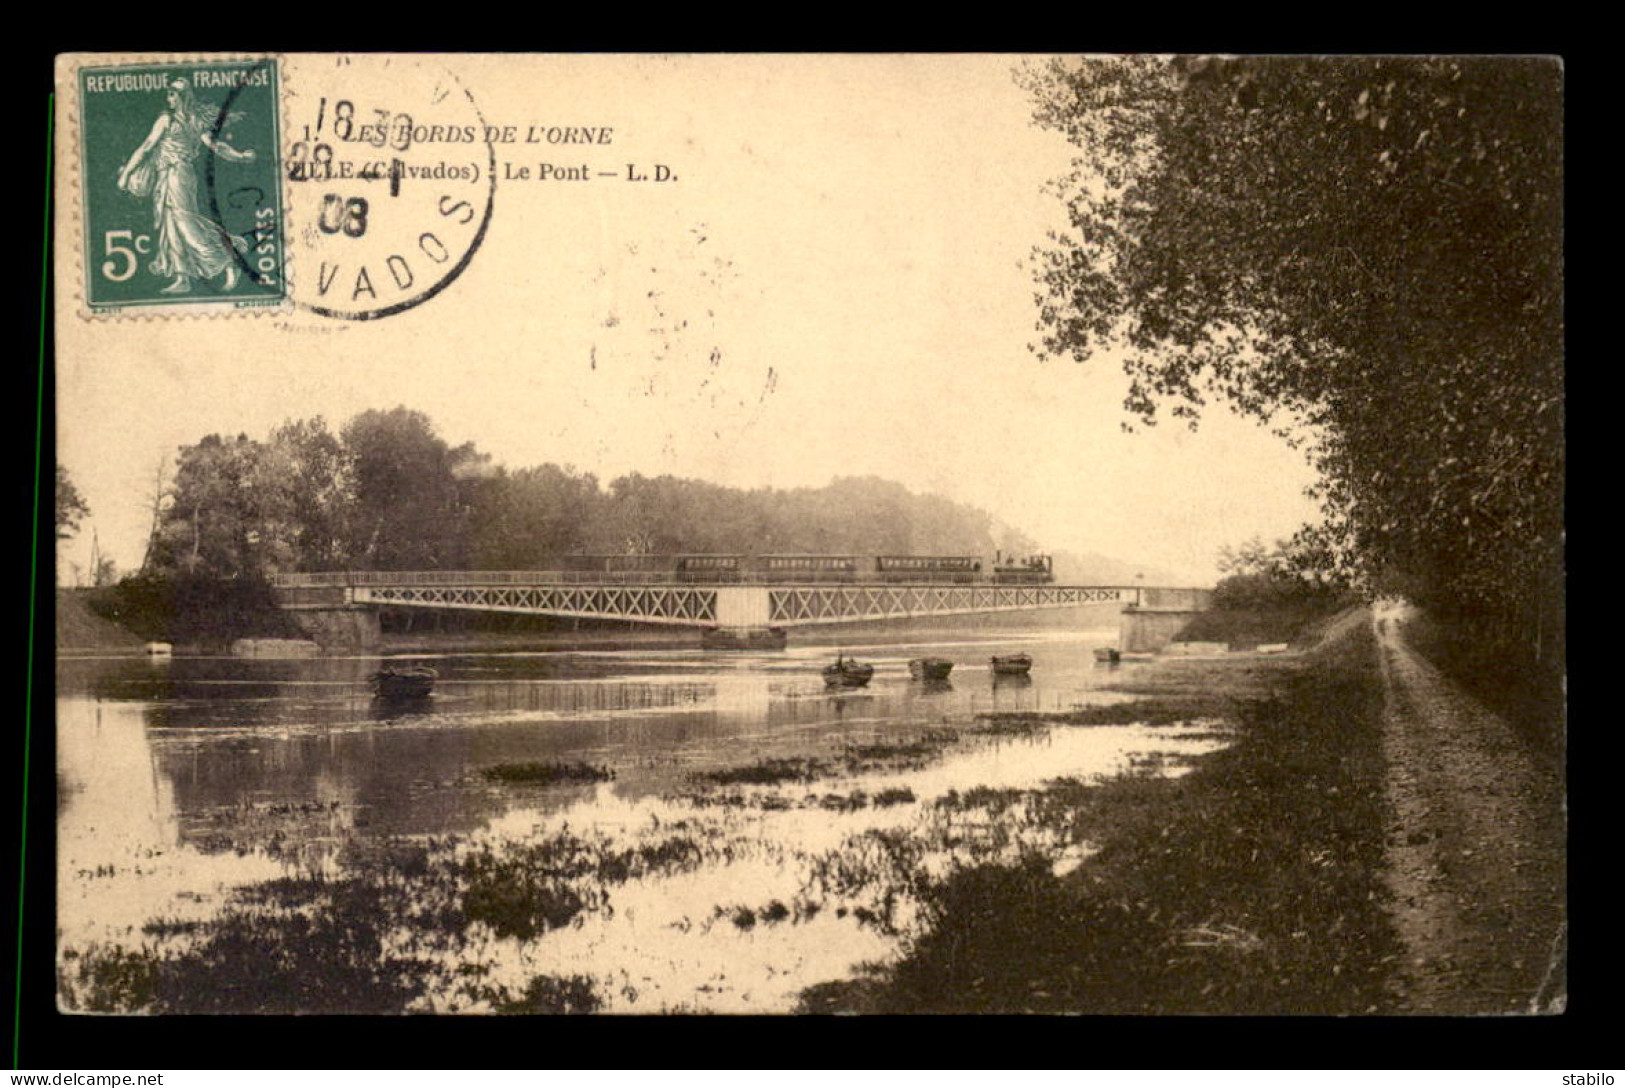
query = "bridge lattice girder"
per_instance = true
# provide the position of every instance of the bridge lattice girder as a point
(688, 606)
(802, 605)
(775, 606)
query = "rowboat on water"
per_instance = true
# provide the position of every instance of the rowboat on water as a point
(404, 681)
(930, 668)
(847, 673)
(1012, 664)
(1108, 655)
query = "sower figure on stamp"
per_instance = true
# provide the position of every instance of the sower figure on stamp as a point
(190, 244)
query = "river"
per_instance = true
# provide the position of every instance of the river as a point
(662, 874)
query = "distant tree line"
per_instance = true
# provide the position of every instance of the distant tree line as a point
(386, 492)
(1366, 251)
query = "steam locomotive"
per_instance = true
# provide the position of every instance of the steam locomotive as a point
(723, 569)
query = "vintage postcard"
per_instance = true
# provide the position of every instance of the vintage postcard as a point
(795, 534)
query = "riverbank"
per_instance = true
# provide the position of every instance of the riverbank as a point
(80, 630)
(1297, 871)
(1249, 885)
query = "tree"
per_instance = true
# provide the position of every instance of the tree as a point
(1366, 251)
(411, 512)
(159, 496)
(70, 506)
(310, 489)
(1290, 574)
(523, 518)
(219, 509)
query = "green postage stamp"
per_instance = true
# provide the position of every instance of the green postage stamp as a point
(180, 186)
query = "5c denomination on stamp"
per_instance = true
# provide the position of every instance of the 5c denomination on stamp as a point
(180, 186)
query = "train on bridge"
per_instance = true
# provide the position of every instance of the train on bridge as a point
(755, 569)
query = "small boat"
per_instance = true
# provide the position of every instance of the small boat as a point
(1012, 664)
(404, 681)
(847, 673)
(930, 668)
(1108, 655)
(160, 649)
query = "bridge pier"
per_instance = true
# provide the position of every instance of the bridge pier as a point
(744, 638)
(341, 627)
(1147, 630)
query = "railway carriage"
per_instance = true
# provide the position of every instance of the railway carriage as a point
(809, 568)
(707, 569)
(959, 569)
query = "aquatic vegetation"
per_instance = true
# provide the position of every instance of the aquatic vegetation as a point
(1010, 725)
(107, 979)
(982, 797)
(284, 892)
(896, 751)
(841, 802)
(172, 927)
(1157, 711)
(329, 958)
(760, 801)
(546, 773)
(892, 755)
(876, 871)
(547, 995)
(517, 901)
(370, 939)
(769, 772)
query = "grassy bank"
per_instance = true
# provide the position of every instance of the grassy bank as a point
(199, 612)
(80, 628)
(1248, 886)
(1248, 628)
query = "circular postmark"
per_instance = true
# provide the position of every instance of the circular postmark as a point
(391, 182)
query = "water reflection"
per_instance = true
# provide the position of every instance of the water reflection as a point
(182, 782)
(1012, 680)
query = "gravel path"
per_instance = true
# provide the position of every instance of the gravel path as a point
(1476, 846)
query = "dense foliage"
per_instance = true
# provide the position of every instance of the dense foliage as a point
(197, 609)
(387, 493)
(1364, 251)
(1261, 578)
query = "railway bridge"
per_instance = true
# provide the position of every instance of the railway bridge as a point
(342, 607)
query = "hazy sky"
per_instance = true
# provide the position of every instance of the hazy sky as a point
(834, 286)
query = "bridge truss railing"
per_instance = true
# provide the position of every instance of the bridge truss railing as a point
(295, 580)
(302, 580)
